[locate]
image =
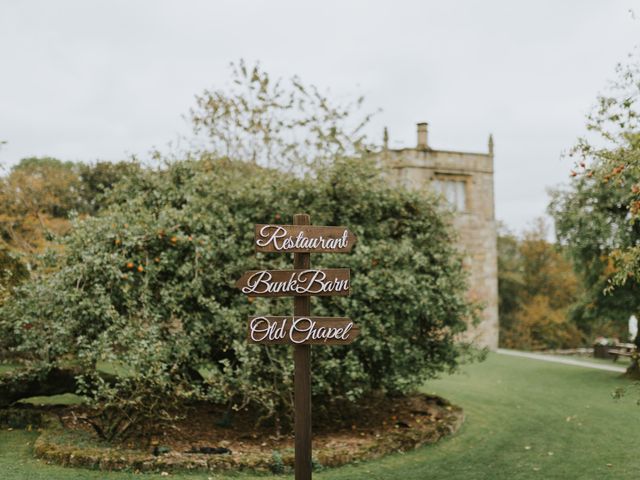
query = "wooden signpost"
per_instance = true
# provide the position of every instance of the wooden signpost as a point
(301, 330)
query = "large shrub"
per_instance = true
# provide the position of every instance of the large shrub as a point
(145, 301)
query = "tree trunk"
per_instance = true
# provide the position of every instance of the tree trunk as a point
(633, 371)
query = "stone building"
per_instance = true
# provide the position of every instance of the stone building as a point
(465, 180)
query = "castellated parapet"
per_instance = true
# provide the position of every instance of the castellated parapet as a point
(465, 182)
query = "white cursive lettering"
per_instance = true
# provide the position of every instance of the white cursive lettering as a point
(300, 330)
(300, 282)
(276, 235)
(263, 329)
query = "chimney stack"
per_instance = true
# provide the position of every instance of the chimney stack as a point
(422, 136)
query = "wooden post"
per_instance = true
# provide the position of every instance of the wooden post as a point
(302, 375)
(301, 330)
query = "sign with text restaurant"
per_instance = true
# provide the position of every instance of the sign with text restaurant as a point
(301, 329)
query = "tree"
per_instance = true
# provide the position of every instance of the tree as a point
(43, 185)
(536, 288)
(38, 195)
(36, 198)
(98, 178)
(510, 281)
(597, 215)
(278, 123)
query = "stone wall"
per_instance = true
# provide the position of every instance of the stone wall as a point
(475, 223)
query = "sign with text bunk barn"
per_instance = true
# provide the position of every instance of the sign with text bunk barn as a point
(301, 329)
(285, 283)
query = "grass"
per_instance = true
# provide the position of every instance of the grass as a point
(526, 419)
(109, 368)
(62, 399)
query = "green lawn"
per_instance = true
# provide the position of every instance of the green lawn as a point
(62, 399)
(526, 419)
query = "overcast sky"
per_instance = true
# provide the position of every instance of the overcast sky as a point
(87, 80)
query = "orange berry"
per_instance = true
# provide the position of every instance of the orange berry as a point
(140, 268)
(117, 241)
(174, 239)
(130, 265)
(573, 174)
(157, 259)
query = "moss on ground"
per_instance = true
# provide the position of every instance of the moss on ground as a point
(79, 449)
(64, 399)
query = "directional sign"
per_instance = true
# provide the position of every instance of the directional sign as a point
(285, 283)
(302, 330)
(303, 239)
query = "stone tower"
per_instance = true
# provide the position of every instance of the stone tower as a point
(465, 181)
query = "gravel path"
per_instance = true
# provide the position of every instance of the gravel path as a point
(565, 361)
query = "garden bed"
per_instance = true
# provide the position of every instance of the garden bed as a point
(381, 427)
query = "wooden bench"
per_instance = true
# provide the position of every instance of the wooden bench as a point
(622, 350)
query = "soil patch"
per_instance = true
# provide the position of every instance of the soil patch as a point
(207, 439)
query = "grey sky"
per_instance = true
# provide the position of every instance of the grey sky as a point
(86, 80)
